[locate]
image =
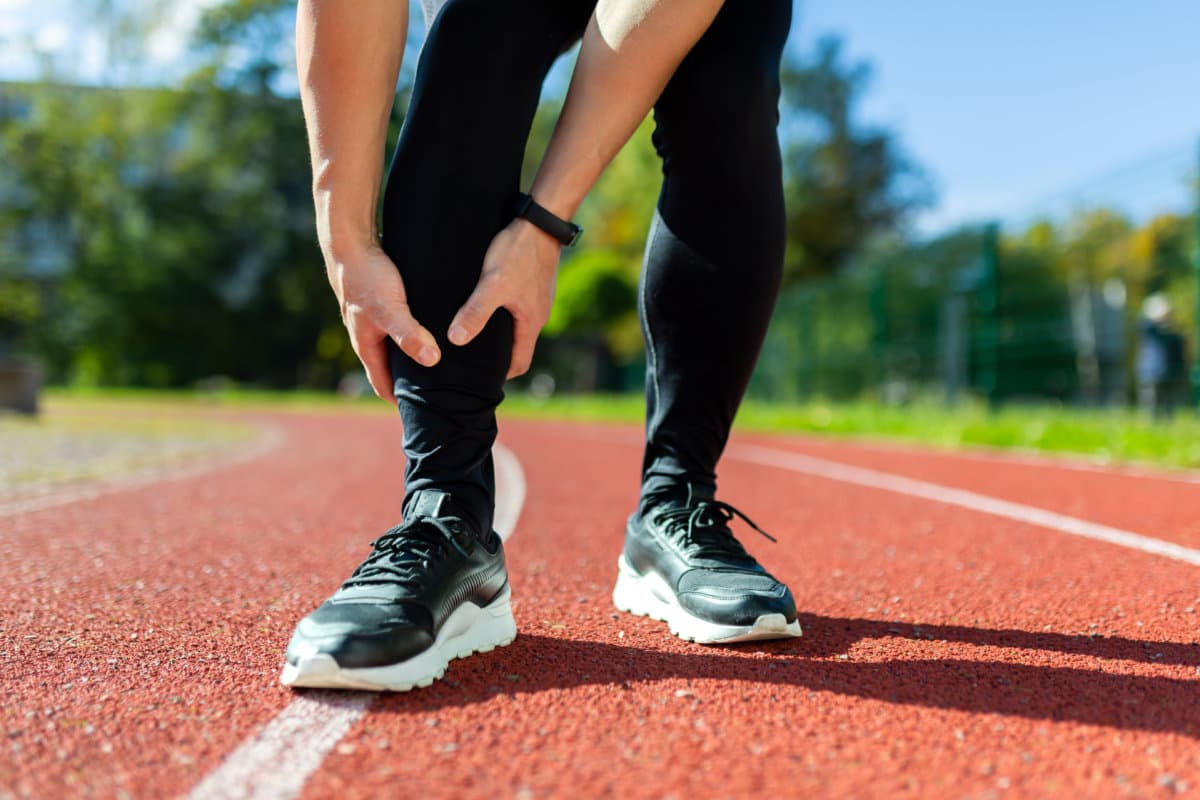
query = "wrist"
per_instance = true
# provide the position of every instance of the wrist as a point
(347, 250)
(345, 225)
(561, 185)
(562, 204)
(343, 241)
(527, 230)
(565, 232)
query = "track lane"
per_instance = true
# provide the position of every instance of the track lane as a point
(143, 629)
(979, 654)
(946, 654)
(1162, 504)
(276, 761)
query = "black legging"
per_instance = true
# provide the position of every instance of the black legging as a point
(713, 261)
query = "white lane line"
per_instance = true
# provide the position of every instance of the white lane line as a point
(279, 758)
(275, 762)
(835, 470)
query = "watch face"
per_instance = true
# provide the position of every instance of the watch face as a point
(576, 236)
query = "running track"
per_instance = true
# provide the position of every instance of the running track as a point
(950, 650)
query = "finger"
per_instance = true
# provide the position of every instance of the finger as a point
(379, 374)
(524, 342)
(409, 335)
(475, 313)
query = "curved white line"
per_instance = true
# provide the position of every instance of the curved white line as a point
(510, 491)
(276, 761)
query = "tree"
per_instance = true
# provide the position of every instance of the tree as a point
(1160, 251)
(846, 184)
(176, 229)
(178, 220)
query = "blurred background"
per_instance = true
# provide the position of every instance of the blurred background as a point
(990, 205)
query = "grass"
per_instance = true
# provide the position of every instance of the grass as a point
(1108, 436)
(1105, 436)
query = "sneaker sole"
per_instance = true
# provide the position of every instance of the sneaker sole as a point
(469, 630)
(649, 596)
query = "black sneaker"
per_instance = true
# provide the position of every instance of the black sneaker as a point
(430, 591)
(683, 566)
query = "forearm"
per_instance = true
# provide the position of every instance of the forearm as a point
(630, 50)
(348, 60)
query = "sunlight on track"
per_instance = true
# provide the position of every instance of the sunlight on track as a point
(269, 437)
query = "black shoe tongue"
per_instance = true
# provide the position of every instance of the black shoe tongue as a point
(440, 504)
(429, 503)
(698, 493)
(686, 495)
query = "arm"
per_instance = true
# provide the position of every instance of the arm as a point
(630, 50)
(348, 64)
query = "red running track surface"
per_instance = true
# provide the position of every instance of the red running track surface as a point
(946, 653)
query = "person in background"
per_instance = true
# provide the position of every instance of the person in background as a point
(1161, 360)
(446, 300)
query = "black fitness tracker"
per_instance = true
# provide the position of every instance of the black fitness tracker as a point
(567, 233)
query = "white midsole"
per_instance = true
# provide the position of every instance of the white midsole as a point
(649, 596)
(469, 629)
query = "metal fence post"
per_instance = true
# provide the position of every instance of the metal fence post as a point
(989, 307)
(1196, 277)
(810, 355)
(880, 330)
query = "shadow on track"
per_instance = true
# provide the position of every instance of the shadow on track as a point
(536, 663)
(831, 636)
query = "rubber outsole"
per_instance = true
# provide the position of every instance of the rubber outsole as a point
(469, 630)
(649, 596)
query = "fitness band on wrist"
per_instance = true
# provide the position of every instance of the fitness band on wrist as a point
(565, 232)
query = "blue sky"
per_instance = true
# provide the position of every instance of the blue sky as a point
(1014, 106)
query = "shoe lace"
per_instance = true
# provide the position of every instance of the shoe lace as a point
(705, 526)
(404, 554)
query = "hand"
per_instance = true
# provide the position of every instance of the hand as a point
(374, 307)
(518, 274)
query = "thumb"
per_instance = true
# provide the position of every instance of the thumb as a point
(475, 313)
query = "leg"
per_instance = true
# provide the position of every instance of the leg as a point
(715, 255)
(435, 587)
(452, 183)
(712, 272)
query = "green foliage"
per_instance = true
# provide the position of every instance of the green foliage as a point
(157, 236)
(846, 185)
(1114, 436)
(1095, 244)
(181, 225)
(1067, 302)
(618, 210)
(175, 224)
(595, 296)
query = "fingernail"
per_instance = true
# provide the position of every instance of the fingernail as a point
(458, 334)
(428, 356)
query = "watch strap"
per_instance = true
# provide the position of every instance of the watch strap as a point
(567, 233)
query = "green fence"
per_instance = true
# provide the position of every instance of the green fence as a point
(1045, 309)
